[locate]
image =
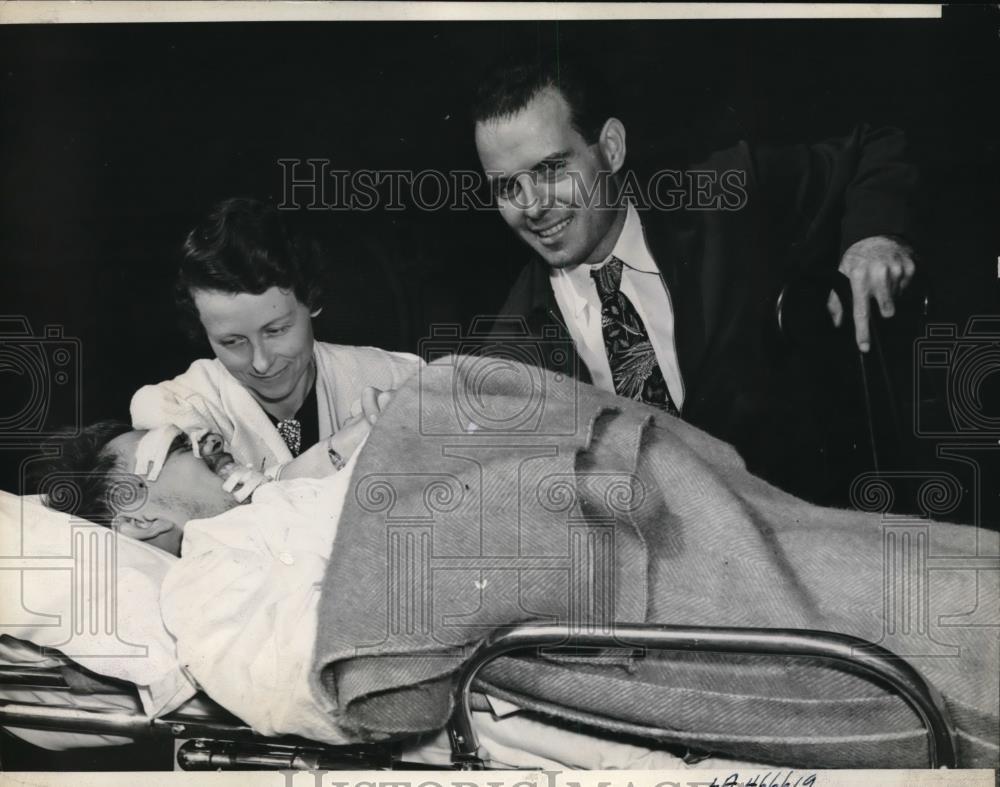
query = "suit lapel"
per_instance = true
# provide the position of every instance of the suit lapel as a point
(541, 298)
(677, 249)
(543, 310)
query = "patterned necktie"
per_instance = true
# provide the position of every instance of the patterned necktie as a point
(634, 368)
(291, 432)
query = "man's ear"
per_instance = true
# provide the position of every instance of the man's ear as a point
(142, 529)
(612, 143)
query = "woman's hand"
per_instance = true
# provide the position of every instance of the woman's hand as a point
(316, 462)
(243, 481)
(154, 448)
(372, 402)
(350, 436)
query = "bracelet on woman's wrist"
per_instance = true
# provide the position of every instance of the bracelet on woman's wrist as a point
(336, 459)
(274, 472)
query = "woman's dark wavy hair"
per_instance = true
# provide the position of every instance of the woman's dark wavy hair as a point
(508, 87)
(245, 245)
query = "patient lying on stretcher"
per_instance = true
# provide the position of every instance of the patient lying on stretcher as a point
(288, 594)
(256, 626)
(202, 482)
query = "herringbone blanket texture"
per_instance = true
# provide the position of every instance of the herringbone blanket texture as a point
(492, 494)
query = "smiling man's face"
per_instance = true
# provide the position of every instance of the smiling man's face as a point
(552, 186)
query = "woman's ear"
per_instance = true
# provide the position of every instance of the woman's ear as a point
(316, 312)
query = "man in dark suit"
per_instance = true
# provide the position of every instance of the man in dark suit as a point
(674, 305)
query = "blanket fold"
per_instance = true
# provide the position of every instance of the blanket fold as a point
(530, 497)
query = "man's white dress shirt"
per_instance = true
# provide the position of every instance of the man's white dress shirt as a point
(577, 297)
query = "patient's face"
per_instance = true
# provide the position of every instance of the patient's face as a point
(185, 489)
(265, 341)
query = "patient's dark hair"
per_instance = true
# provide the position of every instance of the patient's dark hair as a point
(81, 480)
(509, 87)
(245, 245)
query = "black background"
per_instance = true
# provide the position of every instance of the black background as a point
(116, 138)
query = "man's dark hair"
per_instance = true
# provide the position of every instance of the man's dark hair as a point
(81, 481)
(245, 245)
(509, 87)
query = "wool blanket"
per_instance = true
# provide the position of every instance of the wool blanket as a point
(493, 493)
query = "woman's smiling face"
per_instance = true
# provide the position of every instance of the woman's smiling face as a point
(265, 341)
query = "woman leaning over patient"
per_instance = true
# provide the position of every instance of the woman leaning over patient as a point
(271, 391)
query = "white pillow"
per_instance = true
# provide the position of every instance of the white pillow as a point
(90, 593)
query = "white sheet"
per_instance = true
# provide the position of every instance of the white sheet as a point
(17, 652)
(91, 594)
(243, 606)
(508, 740)
(511, 739)
(242, 603)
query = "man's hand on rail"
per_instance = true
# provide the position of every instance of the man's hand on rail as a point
(154, 447)
(878, 268)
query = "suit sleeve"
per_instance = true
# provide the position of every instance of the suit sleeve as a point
(829, 195)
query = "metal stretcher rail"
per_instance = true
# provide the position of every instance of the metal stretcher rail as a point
(856, 655)
(215, 739)
(219, 740)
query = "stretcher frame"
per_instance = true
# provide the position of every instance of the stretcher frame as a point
(219, 741)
